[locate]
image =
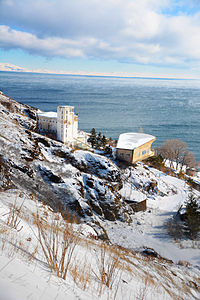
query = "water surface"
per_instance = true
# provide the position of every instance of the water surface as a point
(165, 108)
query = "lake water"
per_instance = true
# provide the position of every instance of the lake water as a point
(167, 109)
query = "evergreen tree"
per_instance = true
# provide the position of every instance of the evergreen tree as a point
(192, 221)
(99, 140)
(108, 150)
(103, 141)
(93, 138)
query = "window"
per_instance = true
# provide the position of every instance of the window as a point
(139, 154)
(144, 152)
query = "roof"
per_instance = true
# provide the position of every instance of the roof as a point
(70, 106)
(48, 114)
(82, 133)
(133, 140)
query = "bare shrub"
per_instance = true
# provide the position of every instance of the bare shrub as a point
(188, 160)
(143, 291)
(109, 266)
(81, 273)
(33, 254)
(13, 219)
(57, 243)
(176, 151)
(173, 150)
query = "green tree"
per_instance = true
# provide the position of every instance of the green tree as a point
(108, 150)
(192, 221)
(104, 141)
(99, 140)
(93, 137)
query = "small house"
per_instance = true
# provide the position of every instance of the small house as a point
(133, 147)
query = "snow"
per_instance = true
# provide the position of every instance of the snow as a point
(148, 228)
(26, 277)
(82, 133)
(133, 140)
(128, 193)
(48, 114)
(88, 177)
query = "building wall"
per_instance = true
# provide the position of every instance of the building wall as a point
(143, 152)
(75, 127)
(67, 124)
(124, 154)
(83, 136)
(61, 125)
(46, 124)
(82, 140)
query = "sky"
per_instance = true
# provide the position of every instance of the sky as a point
(147, 38)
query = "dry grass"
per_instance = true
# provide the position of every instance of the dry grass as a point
(143, 291)
(57, 243)
(3, 229)
(109, 267)
(81, 273)
(33, 254)
(13, 218)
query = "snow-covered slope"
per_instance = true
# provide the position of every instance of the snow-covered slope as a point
(164, 195)
(95, 270)
(43, 180)
(78, 181)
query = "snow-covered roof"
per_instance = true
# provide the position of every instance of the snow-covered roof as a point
(82, 133)
(68, 106)
(48, 114)
(132, 140)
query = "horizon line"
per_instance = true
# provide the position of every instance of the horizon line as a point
(99, 75)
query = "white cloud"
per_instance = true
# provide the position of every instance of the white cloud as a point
(130, 30)
(51, 46)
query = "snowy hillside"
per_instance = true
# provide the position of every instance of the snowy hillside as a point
(95, 270)
(57, 205)
(80, 182)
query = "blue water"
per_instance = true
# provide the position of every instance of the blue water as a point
(165, 108)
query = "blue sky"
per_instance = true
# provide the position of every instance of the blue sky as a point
(115, 37)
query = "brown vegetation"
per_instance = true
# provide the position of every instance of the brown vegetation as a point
(176, 151)
(58, 244)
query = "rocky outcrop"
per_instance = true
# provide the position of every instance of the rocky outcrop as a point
(79, 182)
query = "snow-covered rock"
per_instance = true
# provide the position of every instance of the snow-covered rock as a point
(77, 181)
